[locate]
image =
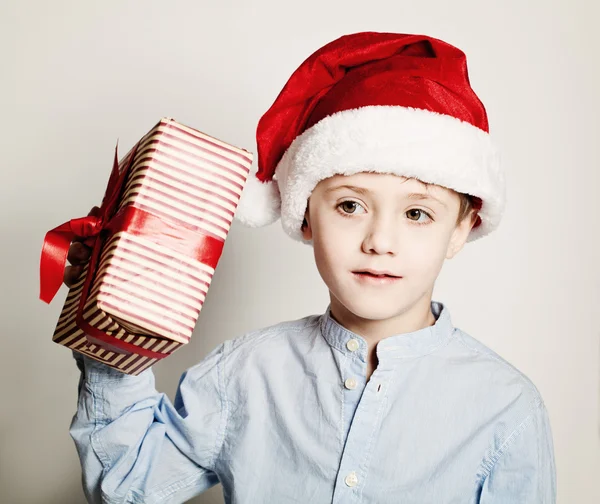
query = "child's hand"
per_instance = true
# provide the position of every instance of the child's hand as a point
(78, 255)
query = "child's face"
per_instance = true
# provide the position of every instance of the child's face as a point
(380, 224)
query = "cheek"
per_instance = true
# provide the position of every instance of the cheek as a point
(327, 250)
(427, 254)
(332, 247)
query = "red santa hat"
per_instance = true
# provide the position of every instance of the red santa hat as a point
(374, 102)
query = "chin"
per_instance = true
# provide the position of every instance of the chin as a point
(373, 308)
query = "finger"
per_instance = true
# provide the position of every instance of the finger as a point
(94, 212)
(72, 275)
(78, 253)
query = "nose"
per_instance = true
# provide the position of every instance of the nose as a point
(381, 236)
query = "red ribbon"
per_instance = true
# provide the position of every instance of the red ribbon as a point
(58, 240)
(96, 229)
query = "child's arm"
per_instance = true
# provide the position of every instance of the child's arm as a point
(524, 468)
(135, 445)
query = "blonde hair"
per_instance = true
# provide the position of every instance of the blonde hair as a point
(468, 203)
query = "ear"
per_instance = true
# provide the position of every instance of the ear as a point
(460, 235)
(306, 227)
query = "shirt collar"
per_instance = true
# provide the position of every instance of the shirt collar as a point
(405, 345)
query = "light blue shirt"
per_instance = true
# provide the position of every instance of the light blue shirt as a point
(285, 415)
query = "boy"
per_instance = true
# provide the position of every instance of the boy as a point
(376, 153)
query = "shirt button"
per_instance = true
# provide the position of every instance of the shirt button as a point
(350, 383)
(351, 480)
(352, 345)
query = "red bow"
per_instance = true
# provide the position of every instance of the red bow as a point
(58, 240)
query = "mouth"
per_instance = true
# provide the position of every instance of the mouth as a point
(376, 274)
(377, 277)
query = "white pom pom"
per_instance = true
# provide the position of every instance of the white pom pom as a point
(260, 203)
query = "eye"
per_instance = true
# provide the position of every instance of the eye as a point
(417, 212)
(349, 207)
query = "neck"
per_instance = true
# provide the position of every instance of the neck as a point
(418, 316)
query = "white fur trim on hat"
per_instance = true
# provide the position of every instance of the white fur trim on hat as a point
(415, 143)
(259, 204)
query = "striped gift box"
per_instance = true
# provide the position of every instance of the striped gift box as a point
(144, 292)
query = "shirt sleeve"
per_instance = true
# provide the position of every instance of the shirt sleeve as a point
(524, 468)
(136, 446)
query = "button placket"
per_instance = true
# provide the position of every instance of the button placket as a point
(353, 345)
(362, 415)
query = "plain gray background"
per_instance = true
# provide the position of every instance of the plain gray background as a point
(78, 74)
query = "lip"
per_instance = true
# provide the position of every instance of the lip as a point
(377, 272)
(375, 280)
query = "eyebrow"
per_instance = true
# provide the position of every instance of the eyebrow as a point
(364, 191)
(359, 190)
(424, 196)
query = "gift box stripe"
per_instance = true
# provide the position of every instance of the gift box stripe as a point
(194, 273)
(69, 321)
(183, 169)
(229, 153)
(72, 328)
(137, 283)
(199, 224)
(162, 345)
(195, 270)
(164, 138)
(177, 210)
(173, 332)
(198, 180)
(94, 316)
(160, 304)
(243, 156)
(202, 158)
(150, 323)
(66, 324)
(155, 287)
(123, 267)
(233, 154)
(72, 299)
(193, 199)
(188, 296)
(133, 364)
(69, 334)
(146, 322)
(69, 312)
(155, 307)
(195, 181)
(107, 296)
(73, 333)
(179, 198)
(80, 344)
(196, 204)
(171, 154)
(122, 256)
(128, 361)
(74, 337)
(143, 364)
(107, 352)
(208, 193)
